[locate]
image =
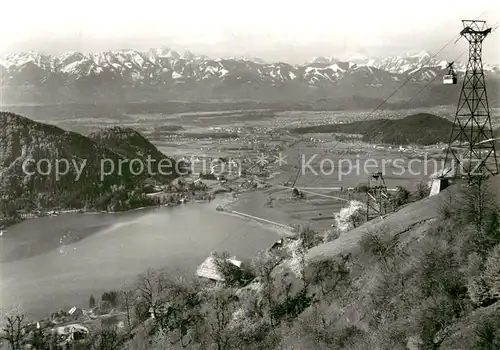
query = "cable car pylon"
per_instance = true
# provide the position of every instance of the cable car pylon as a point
(377, 197)
(471, 148)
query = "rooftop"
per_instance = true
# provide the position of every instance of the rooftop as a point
(208, 269)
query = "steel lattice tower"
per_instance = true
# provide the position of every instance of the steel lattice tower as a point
(376, 196)
(471, 141)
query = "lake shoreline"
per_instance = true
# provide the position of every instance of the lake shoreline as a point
(14, 221)
(121, 247)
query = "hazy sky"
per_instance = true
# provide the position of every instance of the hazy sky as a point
(291, 31)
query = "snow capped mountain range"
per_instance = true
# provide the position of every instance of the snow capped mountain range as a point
(166, 67)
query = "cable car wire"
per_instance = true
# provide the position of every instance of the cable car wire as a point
(378, 107)
(394, 92)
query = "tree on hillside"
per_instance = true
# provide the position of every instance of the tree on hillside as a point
(150, 288)
(106, 337)
(422, 191)
(492, 273)
(330, 274)
(401, 197)
(476, 205)
(331, 235)
(178, 311)
(307, 236)
(298, 260)
(476, 286)
(7, 206)
(383, 247)
(233, 275)
(291, 297)
(319, 327)
(263, 265)
(13, 327)
(128, 302)
(350, 217)
(220, 305)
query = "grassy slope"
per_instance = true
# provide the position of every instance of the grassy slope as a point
(412, 217)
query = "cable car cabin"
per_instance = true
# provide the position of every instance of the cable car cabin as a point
(450, 79)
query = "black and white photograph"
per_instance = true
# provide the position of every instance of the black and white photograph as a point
(263, 175)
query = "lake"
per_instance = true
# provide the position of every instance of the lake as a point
(57, 262)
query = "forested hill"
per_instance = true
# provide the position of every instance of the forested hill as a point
(24, 141)
(422, 129)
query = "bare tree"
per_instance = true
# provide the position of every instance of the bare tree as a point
(421, 191)
(479, 206)
(106, 338)
(385, 248)
(151, 287)
(476, 207)
(221, 305)
(177, 310)
(330, 273)
(263, 265)
(298, 260)
(308, 237)
(492, 273)
(128, 303)
(316, 327)
(13, 329)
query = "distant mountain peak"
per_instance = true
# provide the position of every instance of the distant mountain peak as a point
(188, 55)
(323, 60)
